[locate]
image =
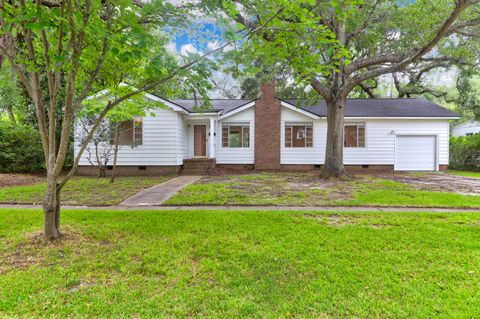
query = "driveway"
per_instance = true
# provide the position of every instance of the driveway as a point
(442, 182)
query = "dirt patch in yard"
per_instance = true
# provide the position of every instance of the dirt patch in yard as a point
(7, 180)
(285, 188)
(309, 189)
(439, 182)
(36, 250)
(339, 220)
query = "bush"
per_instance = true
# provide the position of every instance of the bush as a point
(465, 152)
(20, 149)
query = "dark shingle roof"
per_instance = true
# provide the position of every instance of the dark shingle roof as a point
(384, 108)
(354, 108)
(225, 105)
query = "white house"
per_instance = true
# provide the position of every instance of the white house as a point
(466, 128)
(272, 134)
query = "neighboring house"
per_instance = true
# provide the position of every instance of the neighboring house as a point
(272, 134)
(466, 128)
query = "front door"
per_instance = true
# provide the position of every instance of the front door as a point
(199, 140)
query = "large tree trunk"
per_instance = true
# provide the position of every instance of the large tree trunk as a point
(57, 212)
(334, 150)
(51, 209)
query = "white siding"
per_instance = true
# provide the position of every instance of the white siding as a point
(380, 140)
(379, 144)
(159, 142)
(225, 155)
(303, 155)
(168, 137)
(465, 128)
(182, 139)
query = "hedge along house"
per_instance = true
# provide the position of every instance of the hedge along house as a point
(273, 134)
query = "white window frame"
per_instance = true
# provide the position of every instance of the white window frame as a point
(243, 125)
(133, 131)
(364, 124)
(292, 124)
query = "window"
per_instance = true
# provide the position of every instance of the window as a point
(354, 135)
(236, 135)
(298, 135)
(130, 132)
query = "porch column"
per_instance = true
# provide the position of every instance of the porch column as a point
(212, 138)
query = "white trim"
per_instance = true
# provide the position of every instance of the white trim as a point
(299, 110)
(167, 103)
(347, 123)
(292, 124)
(211, 141)
(237, 110)
(197, 114)
(400, 118)
(145, 94)
(437, 147)
(243, 124)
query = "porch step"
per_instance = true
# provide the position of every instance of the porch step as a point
(198, 166)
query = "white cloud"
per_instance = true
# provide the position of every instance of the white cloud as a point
(188, 48)
(212, 45)
(172, 48)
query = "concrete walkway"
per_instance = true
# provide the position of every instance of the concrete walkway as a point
(263, 208)
(157, 194)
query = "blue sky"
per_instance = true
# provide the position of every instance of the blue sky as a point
(208, 32)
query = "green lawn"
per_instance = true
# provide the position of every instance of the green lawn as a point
(152, 264)
(310, 190)
(464, 173)
(82, 191)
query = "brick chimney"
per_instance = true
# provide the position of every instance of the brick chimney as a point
(267, 128)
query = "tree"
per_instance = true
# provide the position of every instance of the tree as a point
(100, 154)
(10, 95)
(86, 46)
(468, 87)
(78, 43)
(367, 39)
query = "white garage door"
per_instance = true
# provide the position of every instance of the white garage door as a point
(415, 153)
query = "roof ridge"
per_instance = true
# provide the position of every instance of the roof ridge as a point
(217, 99)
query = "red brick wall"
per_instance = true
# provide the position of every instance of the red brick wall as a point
(442, 167)
(267, 129)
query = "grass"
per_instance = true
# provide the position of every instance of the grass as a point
(82, 191)
(221, 264)
(464, 173)
(309, 190)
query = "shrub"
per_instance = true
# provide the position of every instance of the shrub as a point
(20, 149)
(465, 152)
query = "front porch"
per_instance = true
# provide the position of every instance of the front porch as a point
(201, 130)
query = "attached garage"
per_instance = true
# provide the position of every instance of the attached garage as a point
(416, 153)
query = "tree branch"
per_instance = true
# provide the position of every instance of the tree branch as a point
(320, 88)
(460, 6)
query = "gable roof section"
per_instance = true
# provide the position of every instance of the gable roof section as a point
(355, 108)
(384, 108)
(217, 105)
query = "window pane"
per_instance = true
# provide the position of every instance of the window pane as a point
(125, 136)
(235, 136)
(225, 136)
(288, 136)
(309, 137)
(246, 136)
(298, 136)
(361, 136)
(350, 136)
